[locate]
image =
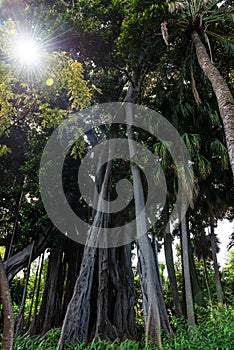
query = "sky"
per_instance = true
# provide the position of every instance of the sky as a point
(223, 231)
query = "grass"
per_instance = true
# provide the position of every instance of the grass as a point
(215, 331)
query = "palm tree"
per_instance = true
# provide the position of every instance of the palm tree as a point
(195, 17)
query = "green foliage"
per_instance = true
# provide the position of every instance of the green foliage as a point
(228, 278)
(215, 331)
(49, 342)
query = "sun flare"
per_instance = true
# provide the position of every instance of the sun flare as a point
(27, 52)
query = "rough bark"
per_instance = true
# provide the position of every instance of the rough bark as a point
(73, 253)
(219, 291)
(170, 263)
(8, 316)
(50, 312)
(123, 292)
(76, 323)
(222, 92)
(186, 271)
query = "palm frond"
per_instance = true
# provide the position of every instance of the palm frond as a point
(192, 142)
(203, 165)
(219, 14)
(220, 150)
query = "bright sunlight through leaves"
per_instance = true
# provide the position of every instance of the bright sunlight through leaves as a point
(27, 52)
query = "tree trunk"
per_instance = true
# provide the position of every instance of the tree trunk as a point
(14, 228)
(8, 316)
(207, 279)
(196, 286)
(218, 285)
(170, 263)
(145, 251)
(32, 326)
(49, 315)
(186, 271)
(20, 319)
(33, 294)
(123, 292)
(222, 92)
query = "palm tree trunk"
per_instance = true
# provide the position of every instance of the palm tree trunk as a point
(8, 316)
(170, 263)
(222, 92)
(187, 275)
(218, 285)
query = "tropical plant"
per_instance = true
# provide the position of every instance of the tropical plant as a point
(200, 20)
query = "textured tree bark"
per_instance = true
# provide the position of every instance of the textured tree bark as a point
(219, 291)
(222, 92)
(170, 263)
(49, 315)
(76, 324)
(186, 271)
(8, 316)
(122, 298)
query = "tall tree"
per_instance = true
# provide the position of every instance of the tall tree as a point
(198, 18)
(8, 316)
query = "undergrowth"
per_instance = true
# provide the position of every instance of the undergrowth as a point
(215, 331)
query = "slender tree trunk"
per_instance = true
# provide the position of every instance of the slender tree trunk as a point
(33, 294)
(207, 279)
(153, 303)
(186, 271)
(218, 285)
(222, 92)
(32, 326)
(8, 316)
(145, 251)
(20, 319)
(196, 286)
(170, 263)
(14, 228)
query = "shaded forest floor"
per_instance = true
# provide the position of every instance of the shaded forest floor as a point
(214, 330)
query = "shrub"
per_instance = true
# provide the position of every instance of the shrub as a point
(215, 331)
